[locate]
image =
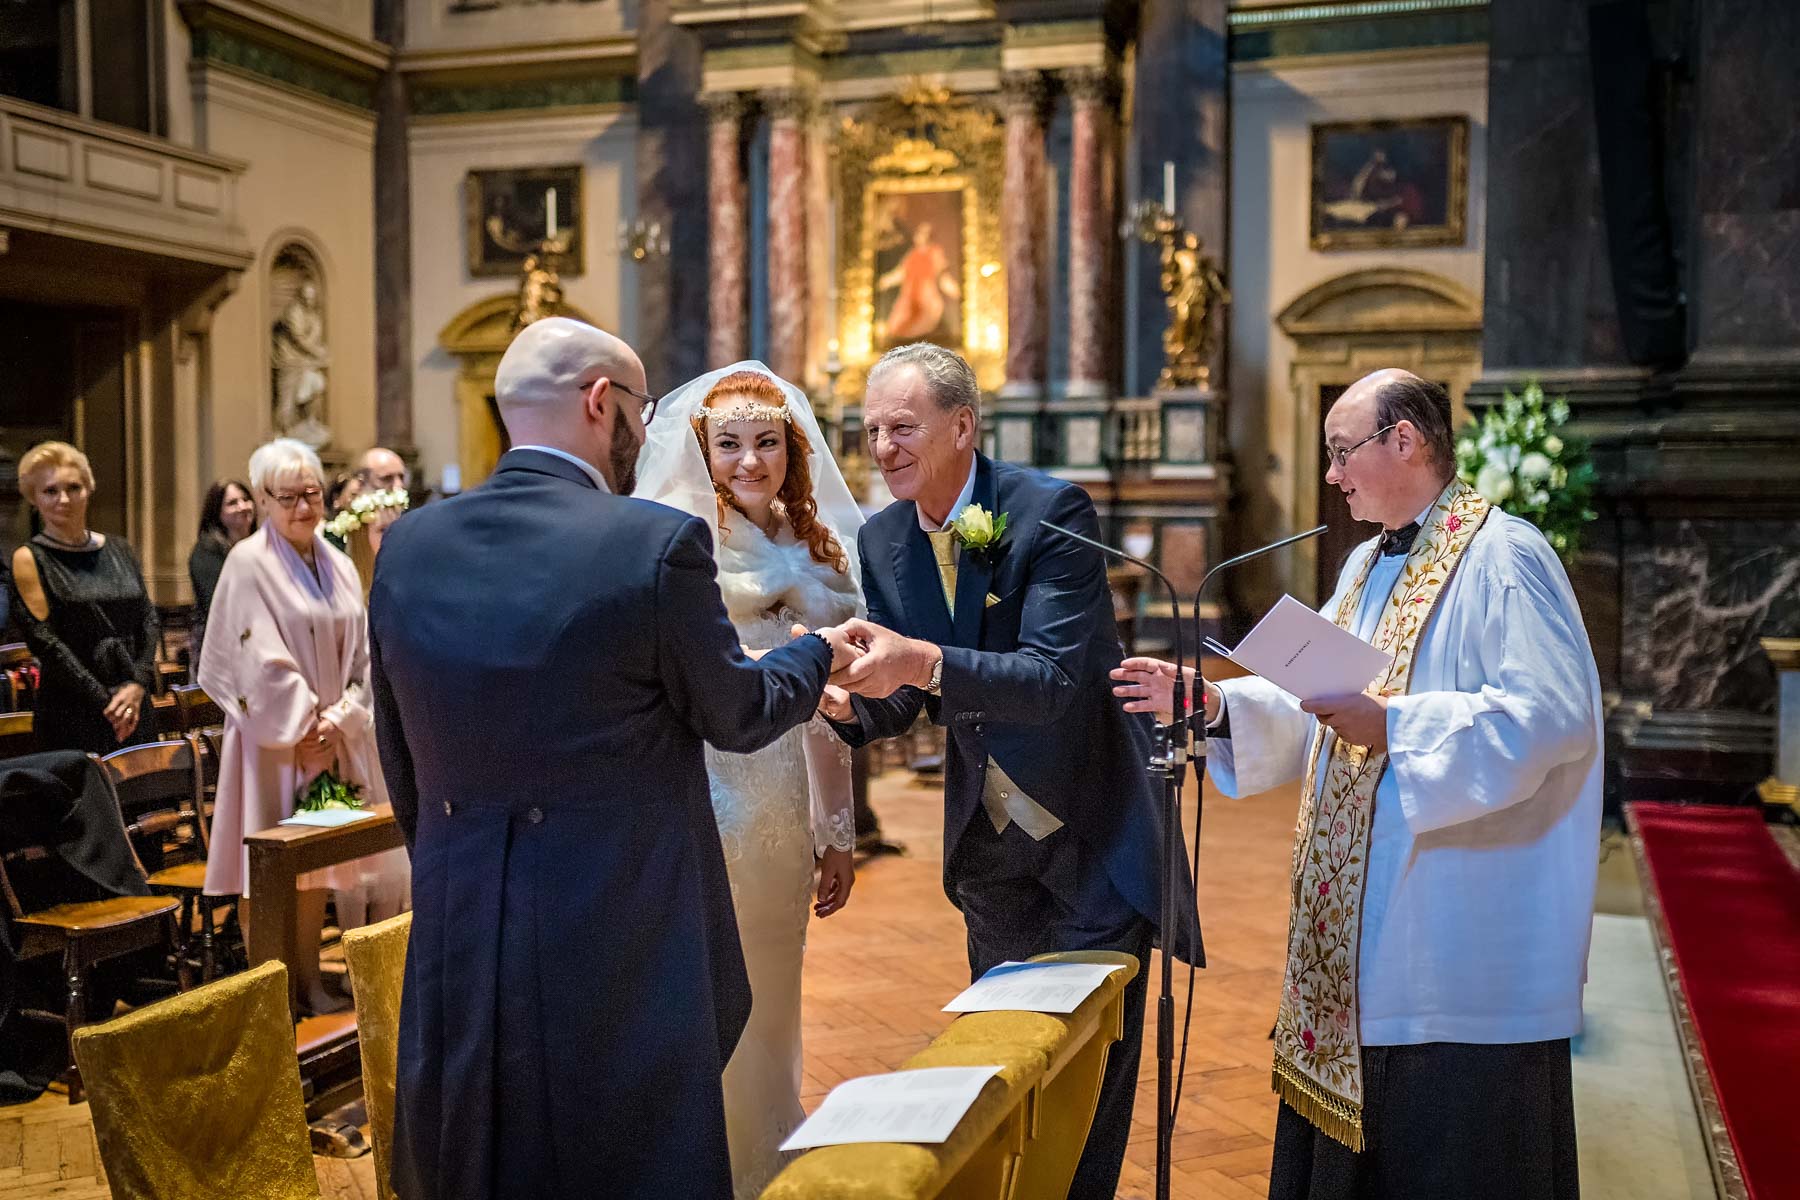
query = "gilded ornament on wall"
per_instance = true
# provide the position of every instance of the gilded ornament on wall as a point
(1193, 292)
(919, 255)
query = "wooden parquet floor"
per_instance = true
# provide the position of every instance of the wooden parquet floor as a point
(877, 976)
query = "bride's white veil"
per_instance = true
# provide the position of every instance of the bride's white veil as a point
(672, 468)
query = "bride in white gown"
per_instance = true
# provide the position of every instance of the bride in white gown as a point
(741, 449)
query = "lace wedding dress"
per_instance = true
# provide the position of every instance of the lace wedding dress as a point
(776, 808)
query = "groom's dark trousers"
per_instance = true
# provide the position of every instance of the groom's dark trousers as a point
(1025, 687)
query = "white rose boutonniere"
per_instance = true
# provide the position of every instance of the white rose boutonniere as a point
(978, 530)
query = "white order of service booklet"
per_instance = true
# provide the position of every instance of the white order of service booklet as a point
(1305, 655)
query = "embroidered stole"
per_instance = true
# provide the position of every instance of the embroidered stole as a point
(1318, 1050)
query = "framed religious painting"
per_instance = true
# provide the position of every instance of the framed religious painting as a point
(914, 240)
(1388, 184)
(918, 239)
(512, 212)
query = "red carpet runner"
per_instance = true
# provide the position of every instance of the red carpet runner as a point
(1731, 908)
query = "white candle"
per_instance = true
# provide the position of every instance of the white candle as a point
(550, 213)
(1169, 186)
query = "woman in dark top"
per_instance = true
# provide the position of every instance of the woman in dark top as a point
(226, 518)
(79, 598)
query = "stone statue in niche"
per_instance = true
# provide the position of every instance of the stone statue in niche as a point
(298, 357)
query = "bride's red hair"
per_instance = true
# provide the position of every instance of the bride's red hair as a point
(796, 494)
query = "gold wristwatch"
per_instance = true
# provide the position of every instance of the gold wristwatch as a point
(935, 685)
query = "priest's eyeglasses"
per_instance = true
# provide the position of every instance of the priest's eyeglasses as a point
(313, 496)
(1341, 457)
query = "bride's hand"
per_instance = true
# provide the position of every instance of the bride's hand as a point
(834, 705)
(837, 875)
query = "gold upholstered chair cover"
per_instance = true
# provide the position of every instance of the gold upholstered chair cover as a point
(198, 1096)
(1023, 1136)
(377, 958)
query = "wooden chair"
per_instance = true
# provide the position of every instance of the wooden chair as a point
(17, 734)
(161, 797)
(377, 958)
(199, 1095)
(84, 933)
(175, 629)
(194, 709)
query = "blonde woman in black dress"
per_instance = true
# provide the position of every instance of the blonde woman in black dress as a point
(79, 598)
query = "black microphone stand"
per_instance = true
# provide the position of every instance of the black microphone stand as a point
(1168, 764)
(1199, 594)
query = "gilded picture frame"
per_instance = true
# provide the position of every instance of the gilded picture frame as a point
(912, 160)
(1390, 184)
(504, 218)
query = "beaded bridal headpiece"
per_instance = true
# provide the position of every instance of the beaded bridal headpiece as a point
(746, 410)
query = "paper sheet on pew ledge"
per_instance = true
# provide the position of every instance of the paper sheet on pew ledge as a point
(328, 818)
(1306, 655)
(1046, 987)
(903, 1106)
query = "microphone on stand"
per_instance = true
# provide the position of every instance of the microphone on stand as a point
(1168, 766)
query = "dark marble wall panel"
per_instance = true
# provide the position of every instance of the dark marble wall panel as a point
(393, 245)
(671, 190)
(1696, 555)
(1548, 292)
(1747, 181)
(1697, 595)
(1180, 116)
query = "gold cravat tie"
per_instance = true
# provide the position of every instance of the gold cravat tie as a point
(943, 545)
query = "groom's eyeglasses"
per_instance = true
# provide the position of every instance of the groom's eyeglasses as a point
(648, 411)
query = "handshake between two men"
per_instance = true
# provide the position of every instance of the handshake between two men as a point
(868, 660)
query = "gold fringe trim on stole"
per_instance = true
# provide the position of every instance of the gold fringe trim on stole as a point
(1337, 1117)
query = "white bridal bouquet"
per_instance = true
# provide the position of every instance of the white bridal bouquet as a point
(1518, 457)
(366, 509)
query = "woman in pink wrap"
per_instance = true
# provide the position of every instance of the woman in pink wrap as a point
(287, 659)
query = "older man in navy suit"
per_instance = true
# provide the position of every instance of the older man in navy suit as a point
(548, 656)
(1051, 830)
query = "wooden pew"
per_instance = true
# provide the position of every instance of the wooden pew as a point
(330, 1058)
(278, 857)
(1022, 1137)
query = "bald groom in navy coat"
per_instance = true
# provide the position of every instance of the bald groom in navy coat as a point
(548, 656)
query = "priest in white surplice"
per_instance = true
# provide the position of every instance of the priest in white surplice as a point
(1444, 860)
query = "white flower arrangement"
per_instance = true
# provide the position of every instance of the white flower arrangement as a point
(366, 509)
(1516, 458)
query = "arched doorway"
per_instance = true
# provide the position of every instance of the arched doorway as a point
(477, 337)
(1343, 329)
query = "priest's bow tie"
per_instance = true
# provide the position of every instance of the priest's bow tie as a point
(1398, 541)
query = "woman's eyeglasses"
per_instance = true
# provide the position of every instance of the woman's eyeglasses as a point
(314, 497)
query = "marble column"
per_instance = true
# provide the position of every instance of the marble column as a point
(393, 246)
(788, 109)
(671, 191)
(1023, 96)
(1090, 88)
(728, 247)
(1180, 114)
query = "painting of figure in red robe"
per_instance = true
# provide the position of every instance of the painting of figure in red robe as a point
(918, 268)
